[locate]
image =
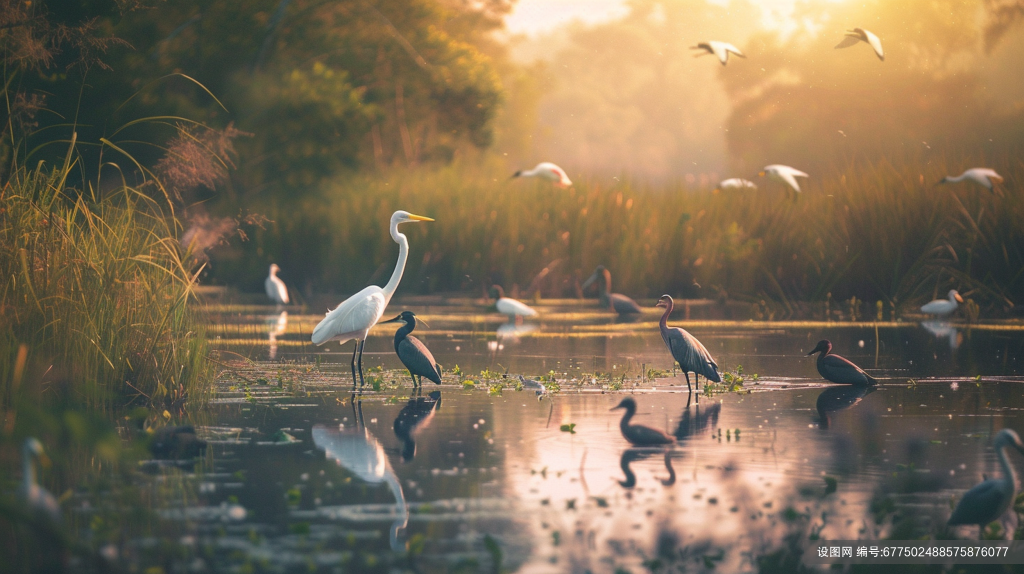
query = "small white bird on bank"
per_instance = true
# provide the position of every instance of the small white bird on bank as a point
(943, 307)
(736, 183)
(720, 50)
(783, 174)
(276, 290)
(858, 35)
(36, 498)
(982, 176)
(510, 307)
(549, 171)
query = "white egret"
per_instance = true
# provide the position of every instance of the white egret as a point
(278, 326)
(783, 174)
(276, 290)
(38, 499)
(982, 176)
(510, 307)
(736, 183)
(988, 501)
(858, 35)
(720, 50)
(943, 307)
(355, 316)
(549, 171)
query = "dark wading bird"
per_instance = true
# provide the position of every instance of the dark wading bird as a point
(988, 501)
(838, 369)
(414, 354)
(640, 435)
(177, 443)
(37, 499)
(414, 417)
(631, 455)
(608, 300)
(686, 349)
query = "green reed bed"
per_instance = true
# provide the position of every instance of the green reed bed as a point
(876, 231)
(95, 293)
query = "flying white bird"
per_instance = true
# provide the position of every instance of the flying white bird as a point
(355, 316)
(549, 171)
(982, 176)
(510, 307)
(737, 183)
(276, 290)
(783, 174)
(719, 49)
(858, 35)
(943, 307)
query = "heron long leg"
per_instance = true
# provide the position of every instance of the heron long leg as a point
(361, 380)
(688, 387)
(354, 349)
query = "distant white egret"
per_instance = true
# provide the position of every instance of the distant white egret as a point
(982, 176)
(276, 290)
(510, 307)
(720, 50)
(355, 316)
(783, 174)
(943, 307)
(36, 498)
(988, 501)
(857, 35)
(549, 171)
(736, 183)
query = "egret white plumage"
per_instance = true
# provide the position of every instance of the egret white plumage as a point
(278, 326)
(943, 307)
(276, 289)
(736, 183)
(355, 316)
(988, 501)
(38, 500)
(783, 174)
(982, 176)
(549, 171)
(686, 349)
(508, 306)
(858, 35)
(720, 50)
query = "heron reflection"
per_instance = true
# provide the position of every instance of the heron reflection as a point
(835, 399)
(413, 418)
(277, 325)
(631, 455)
(359, 452)
(697, 423)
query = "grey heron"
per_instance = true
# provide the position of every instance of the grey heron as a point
(686, 349)
(986, 502)
(608, 300)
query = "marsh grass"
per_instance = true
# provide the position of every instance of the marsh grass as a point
(877, 231)
(95, 291)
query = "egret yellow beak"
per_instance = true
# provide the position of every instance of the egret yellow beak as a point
(959, 299)
(414, 217)
(760, 173)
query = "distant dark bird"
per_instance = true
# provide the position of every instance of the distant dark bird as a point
(414, 417)
(835, 399)
(686, 349)
(38, 500)
(986, 502)
(631, 455)
(176, 443)
(640, 435)
(838, 369)
(608, 300)
(414, 354)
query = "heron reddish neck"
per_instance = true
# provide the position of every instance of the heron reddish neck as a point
(403, 255)
(664, 317)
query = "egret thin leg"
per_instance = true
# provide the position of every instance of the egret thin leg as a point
(361, 380)
(354, 349)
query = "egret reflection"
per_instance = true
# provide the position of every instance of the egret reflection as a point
(944, 330)
(413, 418)
(631, 455)
(358, 451)
(277, 325)
(511, 331)
(835, 399)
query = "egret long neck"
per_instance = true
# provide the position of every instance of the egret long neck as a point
(402, 520)
(403, 256)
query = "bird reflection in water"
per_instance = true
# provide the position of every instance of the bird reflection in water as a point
(631, 455)
(413, 418)
(697, 423)
(835, 399)
(509, 332)
(277, 325)
(944, 330)
(358, 451)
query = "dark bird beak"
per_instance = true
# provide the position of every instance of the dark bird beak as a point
(615, 408)
(397, 319)
(589, 281)
(515, 175)
(422, 321)
(812, 352)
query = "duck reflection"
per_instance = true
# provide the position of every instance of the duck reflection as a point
(944, 330)
(358, 451)
(697, 423)
(414, 417)
(631, 455)
(277, 325)
(834, 399)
